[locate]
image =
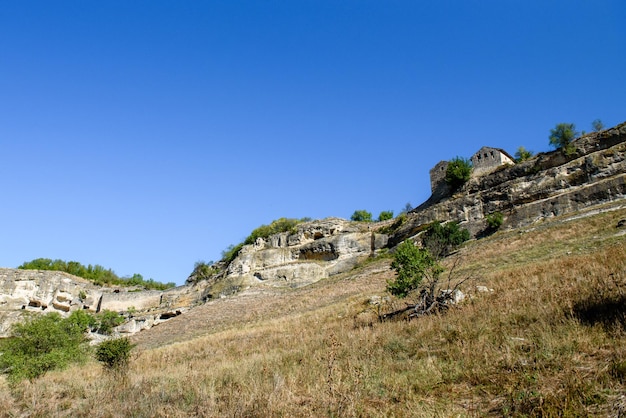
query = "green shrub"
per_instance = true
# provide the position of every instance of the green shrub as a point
(561, 137)
(202, 271)
(106, 321)
(114, 354)
(412, 265)
(397, 223)
(441, 240)
(385, 215)
(495, 220)
(361, 216)
(458, 172)
(231, 252)
(44, 343)
(276, 227)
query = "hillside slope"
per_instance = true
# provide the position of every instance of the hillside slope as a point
(550, 340)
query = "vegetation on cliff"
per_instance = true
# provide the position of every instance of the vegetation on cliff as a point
(264, 231)
(458, 172)
(97, 274)
(561, 137)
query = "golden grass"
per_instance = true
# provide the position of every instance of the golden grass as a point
(549, 341)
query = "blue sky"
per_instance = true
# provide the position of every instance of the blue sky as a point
(147, 135)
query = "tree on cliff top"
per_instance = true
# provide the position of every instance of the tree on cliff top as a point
(561, 137)
(458, 172)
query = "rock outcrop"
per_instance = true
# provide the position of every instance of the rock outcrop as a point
(317, 249)
(43, 291)
(548, 185)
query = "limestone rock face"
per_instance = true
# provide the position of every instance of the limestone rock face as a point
(42, 292)
(314, 251)
(550, 184)
(123, 301)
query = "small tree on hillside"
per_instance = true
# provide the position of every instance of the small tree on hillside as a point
(522, 154)
(361, 216)
(597, 125)
(419, 278)
(385, 215)
(458, 172)
(412, 265)
(115, 354)
(561, 137)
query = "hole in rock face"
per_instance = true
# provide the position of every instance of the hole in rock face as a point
(321, 253)
(318, 235)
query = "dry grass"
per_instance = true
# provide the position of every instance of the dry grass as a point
(549, 341)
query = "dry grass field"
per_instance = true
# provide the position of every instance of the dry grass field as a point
(550, 340)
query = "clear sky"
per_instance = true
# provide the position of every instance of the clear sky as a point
(147, 135)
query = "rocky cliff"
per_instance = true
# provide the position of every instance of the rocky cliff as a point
(547, 185)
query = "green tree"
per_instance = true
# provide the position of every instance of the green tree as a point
(458, 172)
(361, 216)
(44, 343)
(412, 265)
(522, 154)
(385, 215)
(597, 125)
(441, 240)
(561, 137)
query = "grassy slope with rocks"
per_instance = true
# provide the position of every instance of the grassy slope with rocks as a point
(550, 340)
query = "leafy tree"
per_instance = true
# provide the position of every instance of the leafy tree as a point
(114, 354)
(412, 265)
(407, 208)
(522, 154)
(385, 215)
(561, 137)
(597, 125)
(458, 172)
(441, 240)
(361, 216)
(44, 343)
